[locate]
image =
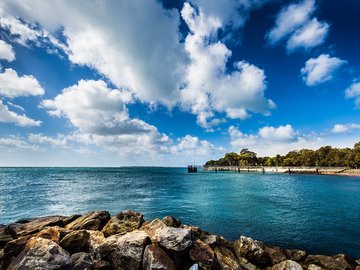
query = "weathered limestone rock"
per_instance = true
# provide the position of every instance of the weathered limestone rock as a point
(196, 232)
(96, 239)
(170, 221)
(90, 221)
(251, 250)
(327, 262)
(346, 260)
(156, 259)
(275, 254)
(151, 227)
(51, 233)
(215, 240)
(123, 222)
(287, 265)
(129, 250)
(175, 239)
(75, 241)
(225, 259)
(102, 265)
(314, 267)
(41, 253)
(1, 255)
(5, 235)
(295, 254)
(12, 249)
(202, 254)
(246, 265)
(37, 224)
(82, 261)
(108, 246)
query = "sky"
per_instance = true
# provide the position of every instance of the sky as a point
(171, 83)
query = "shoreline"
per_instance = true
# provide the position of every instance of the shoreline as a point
(96, 240)
(289, 170)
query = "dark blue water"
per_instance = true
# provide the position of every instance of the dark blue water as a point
(317, 213)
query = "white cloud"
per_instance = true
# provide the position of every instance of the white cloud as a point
(62, 141)
(192, 146)
(310, 35)
(289, 19)
(210, 88)
(6, 51)
(354, 92)
(14, 143)
(12, 85)
(341, 128)
(320, 69)
(7, 116)
(281, 133)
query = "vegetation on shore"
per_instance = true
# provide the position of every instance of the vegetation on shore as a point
(325, 156)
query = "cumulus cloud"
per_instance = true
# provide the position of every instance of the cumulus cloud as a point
(8, 116)
(14, 143)
(343, 128)
(320, 69)
(12, 85)
(61, 140)
(354, 92)
(193, 146)
(6, 51)
(295, 23)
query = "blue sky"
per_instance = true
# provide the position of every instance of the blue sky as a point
(95, 83)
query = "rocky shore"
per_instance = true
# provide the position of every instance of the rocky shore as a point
(125, 241)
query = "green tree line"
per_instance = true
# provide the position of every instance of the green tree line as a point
(325, 156)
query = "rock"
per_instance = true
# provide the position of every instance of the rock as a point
(102, 265)
(123, 222)
(295, 254)
(12, 249)
(75, 241)
(96, 239)
(251, 250)
(156, 259)
(41, 253)
(90, 221)
(287, 265)
(202, 254)
(37, 224)
(327, 262)
(175, 239)
(212, 240)
(196, 232)
(51, 233)
(314, 267)
(346, 260)
(357, 268)
(82, 261)
(129, 250)
(1, 255)
(275, 254)
(151, 227)
(170, 221)
(5, 235)
(225, 259)
(246, 265)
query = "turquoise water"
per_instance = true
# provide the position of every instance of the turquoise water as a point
(317, 213)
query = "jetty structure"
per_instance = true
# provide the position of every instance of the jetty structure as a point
(192, 168)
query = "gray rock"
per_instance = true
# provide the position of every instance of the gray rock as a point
(287, 265)
(151, 227)
(175, 239)
(5, 235)
(129, 250)
(96, 239)
(123, 222)
(251, 250)
(202, 254)
(82, 261)
(12, 249)
(41, 253)
(90, 221)
(156, 259)
(75, 241)
(225, 259)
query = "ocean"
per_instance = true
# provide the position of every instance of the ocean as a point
(320, 214)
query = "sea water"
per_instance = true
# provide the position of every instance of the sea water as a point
(320, 214)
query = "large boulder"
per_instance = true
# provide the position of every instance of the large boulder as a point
(327, 262)
(40, 253)
(295, 254)
(246, 265)
(32, 226)
(5, 235)
(156, 259)
(51, 233)
(174, 239)
(202, 254)
(314, 267)
(225, 259)
(215, 240)
(96, 239)
(123, 222)
(251, 250)
(151, 227)
(129, 250)
(75, 241)
(287, 265)
(12, 249)
(95, 220)
(82, 261)
(170, 221)
(275, 254)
